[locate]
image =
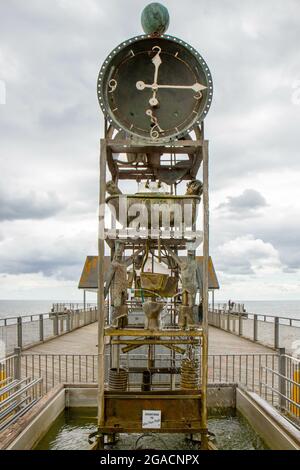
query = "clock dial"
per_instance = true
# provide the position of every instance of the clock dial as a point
(156, 89)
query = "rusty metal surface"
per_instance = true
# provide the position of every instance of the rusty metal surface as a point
(88, 279)
(89, 275)
(180, 410)
(213, 282)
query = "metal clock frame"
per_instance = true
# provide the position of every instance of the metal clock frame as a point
(112, 119)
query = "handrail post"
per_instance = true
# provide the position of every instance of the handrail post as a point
(68, 322)
(55, 325)
(19, 332)
(71, 320)
(61, 324)
(240, 325)
(282, 379)
(41, 326)
(255, 328)
(17, 363)
(260, 380)
(276, 333)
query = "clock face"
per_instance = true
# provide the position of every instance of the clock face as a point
(156, 89)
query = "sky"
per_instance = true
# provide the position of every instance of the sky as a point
(50, 125)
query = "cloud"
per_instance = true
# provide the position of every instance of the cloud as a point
(28, 206)
(247, 256)
(51, 249)
(245, 205)
(50, 56)
(284, 233)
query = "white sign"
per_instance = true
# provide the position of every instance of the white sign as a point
(151, 419)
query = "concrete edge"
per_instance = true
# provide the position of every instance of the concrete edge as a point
(31, 427)
(277, 432)
(273, 428)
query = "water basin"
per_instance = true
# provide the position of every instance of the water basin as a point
(71, 429)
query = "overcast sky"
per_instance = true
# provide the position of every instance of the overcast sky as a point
(50, 125)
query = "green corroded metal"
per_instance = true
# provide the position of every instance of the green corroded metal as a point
(155, 19)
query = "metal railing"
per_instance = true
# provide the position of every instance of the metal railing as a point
(60, 368)
(59, 307)
(17, 395)
(270, 330)
(67, 368)
(275, 377)
(16, 398)
(265, 317)
(282, 386)
(26, 331)
(9, 368)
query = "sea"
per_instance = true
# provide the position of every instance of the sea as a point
(278, 308)
(281, 308)
(13, 308)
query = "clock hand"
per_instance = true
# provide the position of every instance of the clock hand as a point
(154, 101)
(156, 129)
(197, 87)
(156, 61)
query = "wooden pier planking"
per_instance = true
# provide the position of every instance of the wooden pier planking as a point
(227, 348)
(84, 341)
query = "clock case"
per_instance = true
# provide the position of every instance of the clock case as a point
(146, 42)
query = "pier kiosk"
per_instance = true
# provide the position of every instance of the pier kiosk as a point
(155, 91)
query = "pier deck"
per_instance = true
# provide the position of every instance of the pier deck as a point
(72, 358)
(84, 341)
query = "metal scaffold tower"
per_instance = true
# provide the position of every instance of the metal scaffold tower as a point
(155, 91)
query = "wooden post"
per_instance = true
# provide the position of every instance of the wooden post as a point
(101, 300)
(204, 362)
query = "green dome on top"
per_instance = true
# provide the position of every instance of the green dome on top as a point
(155, 19)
